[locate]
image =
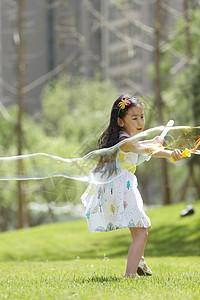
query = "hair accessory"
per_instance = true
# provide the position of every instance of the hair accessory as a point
(123, 103)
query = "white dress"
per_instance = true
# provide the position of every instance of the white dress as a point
(117, 204)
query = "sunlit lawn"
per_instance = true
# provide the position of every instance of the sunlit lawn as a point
(64, 261)
(173, 278)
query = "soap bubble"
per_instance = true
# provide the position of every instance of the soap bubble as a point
(99, 166)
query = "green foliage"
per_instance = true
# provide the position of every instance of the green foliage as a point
(178, 46)
(78, 110)
(179, 43)
(180, 84)
(8, 133)
(192, 89)
(52, 191)
(75, 112)
(183, 101)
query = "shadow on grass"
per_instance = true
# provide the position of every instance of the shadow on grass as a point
(167, 240)
(173, 241)
(98, 279)
(169, 236)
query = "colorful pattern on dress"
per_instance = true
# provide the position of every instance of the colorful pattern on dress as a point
(126, 165)
(116, 204)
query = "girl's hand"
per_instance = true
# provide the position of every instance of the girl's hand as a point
(158, 140)
(176, 155)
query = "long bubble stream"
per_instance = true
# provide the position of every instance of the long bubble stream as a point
(99, 166)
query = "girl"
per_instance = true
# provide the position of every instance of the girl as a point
(118, 204)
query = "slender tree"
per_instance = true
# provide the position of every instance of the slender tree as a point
(158, 97)
(187, 29)
(193, 93)
(19, 97)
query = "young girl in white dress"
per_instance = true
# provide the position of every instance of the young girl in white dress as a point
(118, 203)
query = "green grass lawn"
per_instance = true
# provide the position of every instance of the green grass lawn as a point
(64, 261)
(174, 278)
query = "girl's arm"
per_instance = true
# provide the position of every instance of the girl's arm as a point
(149, 147)
(175, 154)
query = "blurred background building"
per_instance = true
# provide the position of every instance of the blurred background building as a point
(78, 37)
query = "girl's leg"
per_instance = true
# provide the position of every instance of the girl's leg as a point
(136, 250)
(142, 256)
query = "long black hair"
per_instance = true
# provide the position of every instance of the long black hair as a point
(110, 136)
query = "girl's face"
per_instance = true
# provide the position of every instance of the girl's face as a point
(133, 122)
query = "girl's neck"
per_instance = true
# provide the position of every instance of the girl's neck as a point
(123, 133)
(126, 131)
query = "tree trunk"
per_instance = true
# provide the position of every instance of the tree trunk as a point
(194, 90)
(19, 96)
(187, 31)
(186, 185)
(158, 100)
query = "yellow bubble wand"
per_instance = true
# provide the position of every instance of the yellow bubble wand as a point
(187, 152)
